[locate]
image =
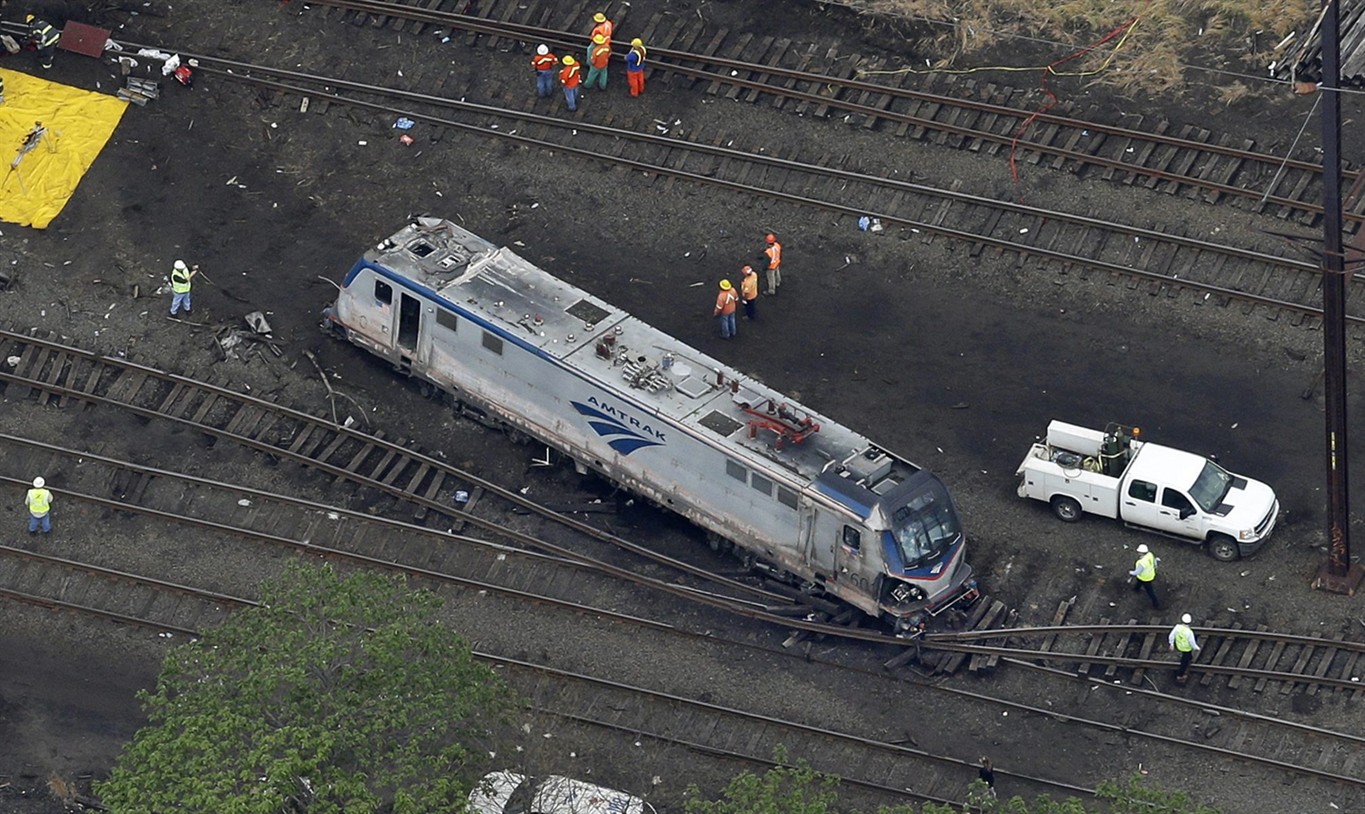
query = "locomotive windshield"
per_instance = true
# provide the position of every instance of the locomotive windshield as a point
(925, 527)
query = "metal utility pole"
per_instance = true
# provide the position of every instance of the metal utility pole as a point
(1337, 574)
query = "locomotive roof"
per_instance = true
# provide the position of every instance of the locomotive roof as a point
(648, 369)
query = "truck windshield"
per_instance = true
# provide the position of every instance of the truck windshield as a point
(1211, 485)
(925, 527)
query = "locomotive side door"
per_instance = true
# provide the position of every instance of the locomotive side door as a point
(816, 543)
(409, 322)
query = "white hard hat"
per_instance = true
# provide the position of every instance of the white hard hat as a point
(542, 49)
(1186, 619)
(180, 264)
(1142, 548)
(38, 483)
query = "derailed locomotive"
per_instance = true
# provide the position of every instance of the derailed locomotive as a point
(789, 491)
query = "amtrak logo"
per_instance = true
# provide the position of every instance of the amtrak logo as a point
(625, 433)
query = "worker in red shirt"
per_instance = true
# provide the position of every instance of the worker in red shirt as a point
(570, 78)
(773, 254)
(725, 309)
(544, 63)
(599, 54)
(635, 66)
(748, 291)
(603, 26)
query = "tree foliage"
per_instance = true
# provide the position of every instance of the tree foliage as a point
(335, 695)
(782, 789)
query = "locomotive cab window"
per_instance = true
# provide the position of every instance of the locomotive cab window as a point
(493, 343)
(853, 538)
(736, 471)
(446, 319)
(383, 292)
(786, 497)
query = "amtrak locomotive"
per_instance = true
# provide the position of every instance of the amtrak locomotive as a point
(787, 490)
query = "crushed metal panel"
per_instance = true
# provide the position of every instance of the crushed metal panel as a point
(723, 425)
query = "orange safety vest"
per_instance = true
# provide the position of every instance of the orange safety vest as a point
(774, 253)
(725, 302)
(570, 76)
(604, 29)
(600, 56)
(749, 287)
(544, 62)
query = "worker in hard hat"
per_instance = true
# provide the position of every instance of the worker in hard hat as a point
(544, 64)
(726, 299)
(181, 277)
(1181, 638)
(635, 66)
(748, 291)
(772, 253)
(601, 25)
(39, 503)
(1144, 573)
(599, 56)
(570, 77)
(44, 37)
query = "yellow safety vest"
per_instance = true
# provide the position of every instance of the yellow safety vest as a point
(39, 502)
(1184, 638)
(180, 281)
(1146, 567)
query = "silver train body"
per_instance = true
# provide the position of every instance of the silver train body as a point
(791, 491)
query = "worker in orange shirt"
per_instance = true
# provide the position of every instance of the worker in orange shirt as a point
(773, 254)
(544, 63)
(748, 291)
(599, 54)
(603, 26)
(570, 78)
(635, 66)
(725, 309)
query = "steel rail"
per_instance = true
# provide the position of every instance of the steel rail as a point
(1225, 632)
(755, 158)
(1150, 664)
(271, 407)
(121, 618)
(1102, 725)
(887, 217)
(558, 555)
(552, 36)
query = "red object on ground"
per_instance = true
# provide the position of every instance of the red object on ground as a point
(80, 38)
(405, 138)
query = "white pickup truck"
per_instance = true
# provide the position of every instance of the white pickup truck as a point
(1148, 486)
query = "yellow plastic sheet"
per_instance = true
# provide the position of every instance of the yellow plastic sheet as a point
(38, 182)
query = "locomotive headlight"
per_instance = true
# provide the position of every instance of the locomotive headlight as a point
(905, 592)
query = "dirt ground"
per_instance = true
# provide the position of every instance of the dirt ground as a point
(953, 360)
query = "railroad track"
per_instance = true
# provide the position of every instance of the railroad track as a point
(1154, 260)
(882, 93)
(50, 372)
(869, 760)
(1233, 658)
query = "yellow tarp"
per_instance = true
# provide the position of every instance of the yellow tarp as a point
(38, 183)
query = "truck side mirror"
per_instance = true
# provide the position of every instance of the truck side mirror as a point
(1186, 512)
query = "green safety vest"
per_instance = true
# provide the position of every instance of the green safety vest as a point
(180, 281)
(1184, 638)
(1146, 567)
(39, 502)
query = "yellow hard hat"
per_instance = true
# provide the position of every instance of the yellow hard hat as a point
(568, 60)
(28, 18)
(637, 41)
(599, 39)
(599, 17)
(725, 284)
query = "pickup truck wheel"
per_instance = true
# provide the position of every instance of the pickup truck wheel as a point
(1223, 549)
(1067, 509)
